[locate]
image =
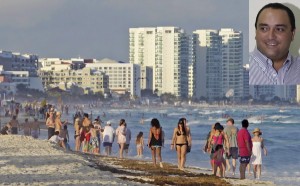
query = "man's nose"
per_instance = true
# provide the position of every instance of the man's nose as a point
(272, 33)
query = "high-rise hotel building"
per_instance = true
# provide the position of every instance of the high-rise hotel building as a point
(232, 63)
(166, 50)
(207, 64)
(218, 63)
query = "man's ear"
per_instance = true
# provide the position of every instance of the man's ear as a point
(293, 34)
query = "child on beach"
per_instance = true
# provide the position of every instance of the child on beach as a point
(139, 144)
(218, 160)
(6, 129)
(94, 140)
(256, 158)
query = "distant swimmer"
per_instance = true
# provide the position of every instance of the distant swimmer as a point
(142, 121)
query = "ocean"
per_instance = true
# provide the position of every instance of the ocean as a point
(279, 125)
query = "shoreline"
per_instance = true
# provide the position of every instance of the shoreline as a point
(25, 160)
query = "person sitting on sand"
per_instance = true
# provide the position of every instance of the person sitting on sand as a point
(35, 128)
(57, 140)
(256, 158)
(155, 141)
(139, 144)
(6, 129)
(218, 159)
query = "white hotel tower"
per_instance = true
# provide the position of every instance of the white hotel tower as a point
(207, 64)
(166, 50)
(232, 62)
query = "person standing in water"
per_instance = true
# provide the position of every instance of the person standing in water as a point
(256, 158)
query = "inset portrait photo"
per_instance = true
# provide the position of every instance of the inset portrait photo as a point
(274, 42)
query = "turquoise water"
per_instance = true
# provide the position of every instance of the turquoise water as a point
(280, 126)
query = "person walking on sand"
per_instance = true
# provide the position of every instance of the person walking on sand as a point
(121, 136)
(208, 145)
(50, 123)
(35, 128)
(245, 147)
(108, 137)
(231, 148)
(218, 160)
(256, 158)
(217, 139)
(155, 141)
(180, 143)
(139, 144)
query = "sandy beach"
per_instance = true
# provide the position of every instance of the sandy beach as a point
(26, 161)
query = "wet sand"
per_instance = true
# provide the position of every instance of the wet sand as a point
(26, 161)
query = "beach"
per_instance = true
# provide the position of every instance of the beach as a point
(28, 161)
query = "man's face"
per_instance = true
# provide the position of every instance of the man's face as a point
(274, 34)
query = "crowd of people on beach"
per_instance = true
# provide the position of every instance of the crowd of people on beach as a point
(222, 144)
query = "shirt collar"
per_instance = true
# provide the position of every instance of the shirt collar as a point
(265, 62)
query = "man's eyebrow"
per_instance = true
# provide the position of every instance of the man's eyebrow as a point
(277, 25)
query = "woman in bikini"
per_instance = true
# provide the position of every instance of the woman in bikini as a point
(77, 127)
(155, 141)
(180, 143)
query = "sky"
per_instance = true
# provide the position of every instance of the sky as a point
(256, 5)
(100, 28)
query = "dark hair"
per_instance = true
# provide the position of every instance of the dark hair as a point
(155, 123)
(280, 7)
(86, 115)
(140, 135)
(122, 122)
(181, 122)
(218, 126)
(245, 123)
(56, 133)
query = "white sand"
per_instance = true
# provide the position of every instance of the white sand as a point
(26, 161)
